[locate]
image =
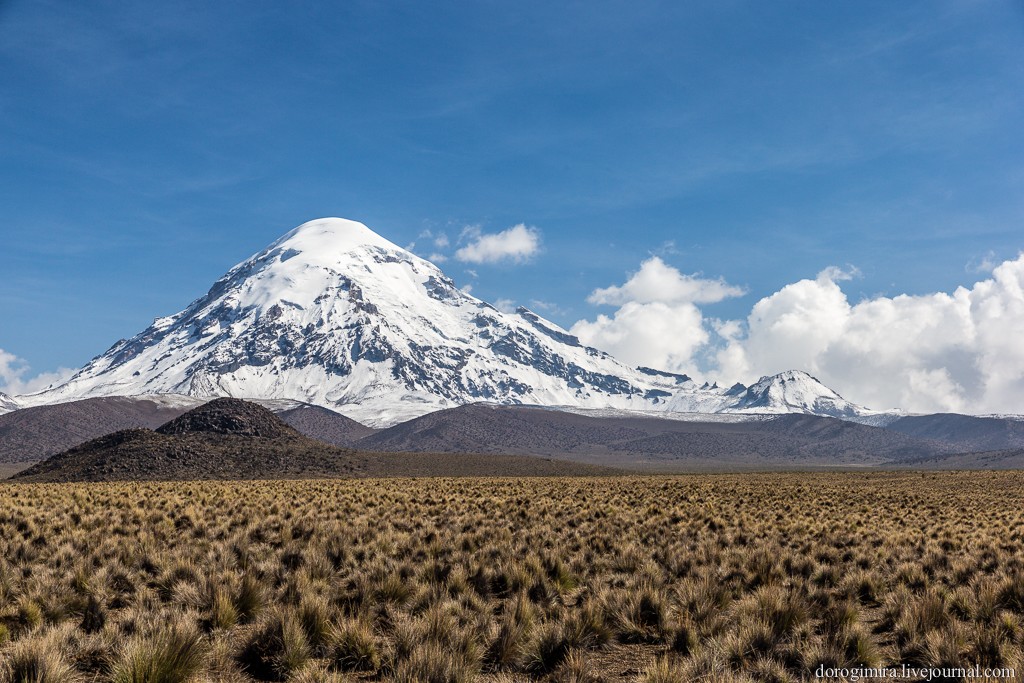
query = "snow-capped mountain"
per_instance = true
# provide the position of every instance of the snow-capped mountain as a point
(7, 404)
(794, 391)
(335, 315)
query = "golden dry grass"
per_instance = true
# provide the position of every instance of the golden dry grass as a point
(717, 577)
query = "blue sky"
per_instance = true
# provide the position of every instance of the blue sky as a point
(149, 146)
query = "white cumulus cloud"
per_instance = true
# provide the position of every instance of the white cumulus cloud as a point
(517, 244)
(657, 323)
(656, 281)
(960, 352)
(659, 335)
(935, 352)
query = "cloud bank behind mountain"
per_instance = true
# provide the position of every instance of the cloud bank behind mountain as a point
(961, 351)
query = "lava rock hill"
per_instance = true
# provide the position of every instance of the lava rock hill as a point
(226, 438)
(230, 417)
(232, 439)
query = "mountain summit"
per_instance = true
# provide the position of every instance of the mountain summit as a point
(335, 315)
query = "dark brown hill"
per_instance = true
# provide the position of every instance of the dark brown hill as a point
(325, 425)
(785, 441)
(854, 441)
(1005, 459)
(235, 439)
(619, 441)
(222, 439)
(964, 432)
(232, 417)
(32, 434)
(485, 428)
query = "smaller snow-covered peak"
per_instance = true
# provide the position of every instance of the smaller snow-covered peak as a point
(331, 236)
(792, 387)
(736, 389)
(796, 391)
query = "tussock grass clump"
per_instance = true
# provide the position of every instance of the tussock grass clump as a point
(508, 646)
(352, 646)
(276, 648)
(173, 655)
(684, 638)
(548, 649)
(318, 673)
(443, 628)
(315, 615)
(576, 668)
(223, 612)
(664, 670)
(94, 615)
(29, 615)
(640, 614)
(249, 599)
(38, 659)
(430, 662)
(710, 578)
(587, 627)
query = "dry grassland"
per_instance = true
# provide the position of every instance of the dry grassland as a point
(650, 579)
